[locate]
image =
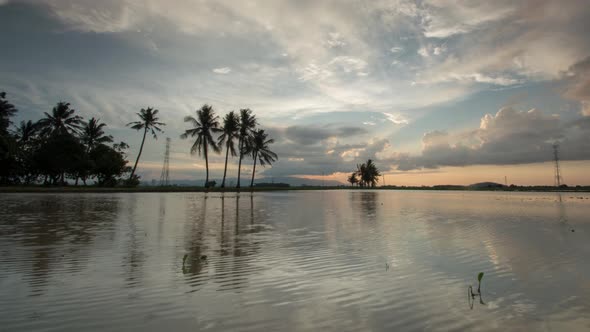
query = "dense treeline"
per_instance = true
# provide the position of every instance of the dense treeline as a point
(62, 147)
(59, 147)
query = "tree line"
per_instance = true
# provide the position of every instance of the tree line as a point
(63, 146)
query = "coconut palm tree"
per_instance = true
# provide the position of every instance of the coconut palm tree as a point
(259, 148)
(247, 125)
(204, 125)
(25, 131)
(61, 121)
(6, 111)
(368, 174)
(93, 134)
(230, 132)
(353, 179)
(148, 122)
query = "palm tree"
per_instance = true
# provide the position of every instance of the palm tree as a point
(205, 125)
(93, 134)
(368, 174)
(149, 122)
(353, 179)
(247, 125)
(260, 151)
(6, 111)
(61, 121)
(25, 131)
(230, 132)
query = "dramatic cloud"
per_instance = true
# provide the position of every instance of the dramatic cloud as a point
(509, 137)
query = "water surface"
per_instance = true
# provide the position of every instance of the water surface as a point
(294, 261)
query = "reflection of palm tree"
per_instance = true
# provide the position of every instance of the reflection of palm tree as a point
(61, 121)
(247, 124)
(259, 148)
(148, 122)
(205, 125)
(192, 262)
(231, 130)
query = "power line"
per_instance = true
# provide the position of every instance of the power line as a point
(165, 176)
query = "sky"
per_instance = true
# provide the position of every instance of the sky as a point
(434, 91)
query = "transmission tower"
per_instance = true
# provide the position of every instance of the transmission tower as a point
(165, 177)
(558, 177)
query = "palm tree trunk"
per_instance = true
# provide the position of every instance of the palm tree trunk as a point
(206, 166)
(253, 170)
(225, 169)
(139, 154)
(241, 144)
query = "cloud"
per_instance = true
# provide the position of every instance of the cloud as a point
(335, 40)
(327, 159)
(396, 49)
(222, 70)
(578, 84)
(314, 134)
(508, 137)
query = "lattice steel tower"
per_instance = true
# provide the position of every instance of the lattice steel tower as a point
(165, 177)
(558, 177)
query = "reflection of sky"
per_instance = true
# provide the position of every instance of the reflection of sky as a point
(296, 261)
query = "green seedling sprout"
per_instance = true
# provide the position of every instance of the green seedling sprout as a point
(479, 277)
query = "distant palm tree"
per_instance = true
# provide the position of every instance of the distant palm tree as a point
(259, 148)
(205, 125)
(6, 111)
(247, 125)
(353, 179)
(25, 131)
(230, 132)
(93, 134)
(61, 121)
(368, 174)
(149, 122)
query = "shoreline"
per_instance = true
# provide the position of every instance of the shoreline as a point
(174, 189)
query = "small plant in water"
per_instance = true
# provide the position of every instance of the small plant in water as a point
(471, 295)
(479, 277)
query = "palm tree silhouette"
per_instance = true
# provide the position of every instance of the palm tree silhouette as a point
(368, 174)
(61, 121)
(6, 111)
(230, 132)
(149, 122)
(247, 125)
(353, 179)
(259, 148)
(25, 131)
(205, 125)
(93, 134)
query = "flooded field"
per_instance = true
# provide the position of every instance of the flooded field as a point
(294, 261)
